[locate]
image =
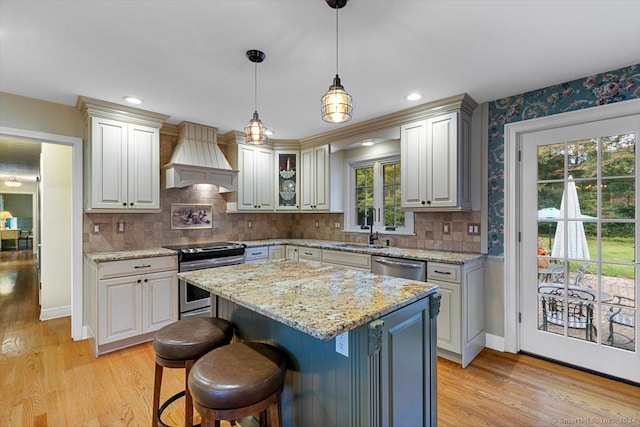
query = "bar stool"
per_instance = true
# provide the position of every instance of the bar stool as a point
(179, 345)
(238, 380)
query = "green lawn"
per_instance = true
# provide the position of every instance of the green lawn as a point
(618, 250)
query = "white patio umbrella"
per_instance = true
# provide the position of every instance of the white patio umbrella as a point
(576, 240)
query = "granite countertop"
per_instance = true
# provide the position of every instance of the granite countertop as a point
(416, 254)
(318, 300)
(391, 251)
(134, 254)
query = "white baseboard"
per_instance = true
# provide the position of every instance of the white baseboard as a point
(86, 332)
(55, 313)
(495, 342)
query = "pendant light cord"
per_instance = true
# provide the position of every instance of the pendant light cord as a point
(255, 88)
(337, 8)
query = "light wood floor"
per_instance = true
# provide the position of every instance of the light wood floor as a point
(46, 379)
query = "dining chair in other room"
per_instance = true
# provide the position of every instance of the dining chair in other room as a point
(27, 236)
(617, 317)
(579, 305)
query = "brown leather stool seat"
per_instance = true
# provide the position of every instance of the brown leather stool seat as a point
(238, 380)
(179, 345)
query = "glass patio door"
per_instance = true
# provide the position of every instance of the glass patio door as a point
(578, 216)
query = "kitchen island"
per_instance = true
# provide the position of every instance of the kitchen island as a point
(384, 328)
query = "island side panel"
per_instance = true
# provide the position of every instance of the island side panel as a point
(322, 387)
(407, 366)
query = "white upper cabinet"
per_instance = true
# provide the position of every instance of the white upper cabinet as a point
(314, 179)
(435, 162)
(122, 157)
(255, 178)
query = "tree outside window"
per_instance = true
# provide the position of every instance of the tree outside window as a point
(376, 197)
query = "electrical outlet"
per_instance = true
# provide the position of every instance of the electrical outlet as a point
(473, 229)
(446, 228)
(317, 223)
(342, 344)
(96, 228)
(121, 227)
(249, 224)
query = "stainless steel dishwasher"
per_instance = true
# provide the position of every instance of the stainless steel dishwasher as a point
(399, 267)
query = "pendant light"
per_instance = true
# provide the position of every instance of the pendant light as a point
(336, 103)
(255, 131)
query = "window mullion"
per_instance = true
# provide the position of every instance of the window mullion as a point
(378, 196)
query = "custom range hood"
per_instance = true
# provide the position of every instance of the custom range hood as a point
(197, 159)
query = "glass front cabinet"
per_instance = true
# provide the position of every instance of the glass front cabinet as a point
(287, 190)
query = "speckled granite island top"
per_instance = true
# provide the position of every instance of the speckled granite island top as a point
(317, 300)
(134, 254)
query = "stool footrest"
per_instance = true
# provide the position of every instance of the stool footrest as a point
(166, 404)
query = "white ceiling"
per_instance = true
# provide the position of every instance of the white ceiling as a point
(187, 58)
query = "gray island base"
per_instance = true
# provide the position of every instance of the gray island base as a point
(386, 326)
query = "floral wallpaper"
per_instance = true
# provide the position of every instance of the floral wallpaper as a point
(613, 86)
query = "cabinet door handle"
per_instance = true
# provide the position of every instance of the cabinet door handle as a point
(442, 272)
(423, 202)
(139, 280)
(124, 204)
(146, 280)
(143, 266)
(307, 253)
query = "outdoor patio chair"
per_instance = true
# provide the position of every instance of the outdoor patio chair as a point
(582, 277)
(616, 317)
(579, 309)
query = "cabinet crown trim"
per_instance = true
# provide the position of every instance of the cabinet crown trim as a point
(108, 110)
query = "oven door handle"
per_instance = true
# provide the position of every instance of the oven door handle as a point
(210, 263)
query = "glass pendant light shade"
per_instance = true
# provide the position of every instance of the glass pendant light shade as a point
(255, 131)
(336, 103)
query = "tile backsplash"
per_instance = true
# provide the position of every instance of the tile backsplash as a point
(143, 231)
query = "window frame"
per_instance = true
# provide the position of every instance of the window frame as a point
(350, 212)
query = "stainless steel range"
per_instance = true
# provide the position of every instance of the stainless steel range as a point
(193, 300)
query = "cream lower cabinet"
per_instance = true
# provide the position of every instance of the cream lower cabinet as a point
(301, 253)
(264, 253)
(276, 252)
(461, 333)
(350, 260)
(128, 301)
(291, 252)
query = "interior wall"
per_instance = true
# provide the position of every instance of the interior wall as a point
(20, 205)
(56, 259)
(33, 114)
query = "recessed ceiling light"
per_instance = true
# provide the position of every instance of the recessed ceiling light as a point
(413, 96)
(133, 100)
(368, 143)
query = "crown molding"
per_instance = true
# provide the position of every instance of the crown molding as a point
(169, 130)
(383, 124)
(108, 110)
